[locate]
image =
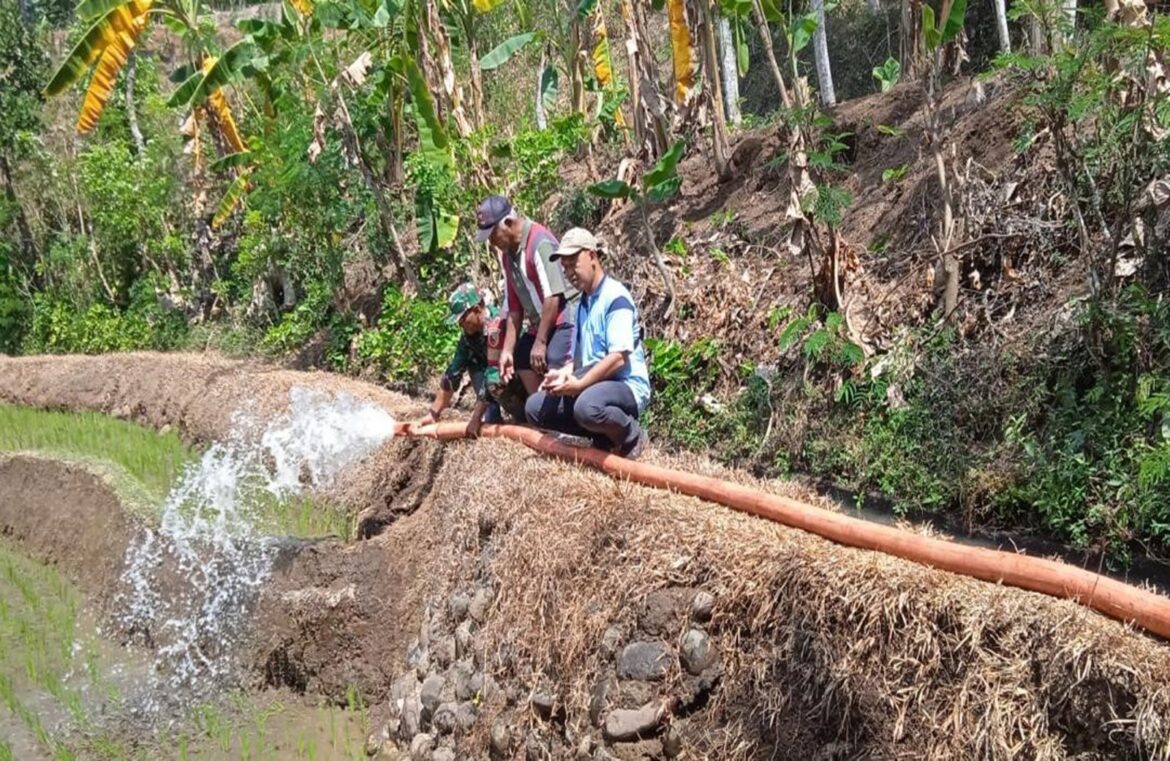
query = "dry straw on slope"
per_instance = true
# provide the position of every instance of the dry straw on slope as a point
(826, 649)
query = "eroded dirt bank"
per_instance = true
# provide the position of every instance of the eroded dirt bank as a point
(510, 606)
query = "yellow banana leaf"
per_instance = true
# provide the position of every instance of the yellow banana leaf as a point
(603, 61)
(125, 29)
(223, 113)
(681, 50)
(90, 48)
(486, 6)
(304, 7)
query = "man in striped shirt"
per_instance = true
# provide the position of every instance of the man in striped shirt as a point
(535, 291)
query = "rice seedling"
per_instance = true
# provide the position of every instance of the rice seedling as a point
(153, 459)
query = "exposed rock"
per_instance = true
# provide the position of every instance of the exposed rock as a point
(696, 652)
(464, 639)
(542, 703)
(444, 651)
(599, 699)
(664, 611)
(481, 604)
(465, 715)
(444, 720)
(431, 695)
(611, 641)
(376, 741)
(632, 694)
(400, 689)
(462, 678)
(501, 738)
(672, 743)
(458, 605)
(703, 607)
(418, 658)
(626, 724)
(647, 661)
(411, 720)
(421, 747)
(443, 754)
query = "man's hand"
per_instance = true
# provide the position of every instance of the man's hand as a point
(429, 419)
(539, 357)
(507, 367)
(561, 382)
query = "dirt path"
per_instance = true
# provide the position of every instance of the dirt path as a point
(507, 601)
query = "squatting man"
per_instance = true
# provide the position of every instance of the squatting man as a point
(570, 338)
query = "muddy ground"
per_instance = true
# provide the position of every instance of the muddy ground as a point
(502, 604)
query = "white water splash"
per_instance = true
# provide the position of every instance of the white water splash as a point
(189, 584)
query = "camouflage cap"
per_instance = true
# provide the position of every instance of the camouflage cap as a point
(463, 298)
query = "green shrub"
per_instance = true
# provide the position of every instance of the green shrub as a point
(412, 340)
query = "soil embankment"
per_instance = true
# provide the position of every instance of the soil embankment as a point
(513, 606)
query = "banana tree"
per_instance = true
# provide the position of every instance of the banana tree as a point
(936, 38)
(657, 185)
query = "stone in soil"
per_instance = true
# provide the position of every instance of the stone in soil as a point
(464, 639)
(626, 724)
(465, 715)
(444, 651)
(431, 694)
(421, 747)
(703, 607)
(645, 661)
(411, 721)
(542, 703)
(464, 681)
(458, 605)
(444, 720)
(501, 741)
(611, 641)
(696, 652)
(599, 699)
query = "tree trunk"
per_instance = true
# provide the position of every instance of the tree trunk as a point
(541, 117)
(385, 213)
(1001, 25)
(651, 128)
(574, 65)
(912, 53)
(714, 92)
(821, 53)
(730, 71)
(477, 114)
(27, 246)
(432, 27)
(131, 110)
(770, 52)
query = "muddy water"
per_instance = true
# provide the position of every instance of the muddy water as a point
(68, 692)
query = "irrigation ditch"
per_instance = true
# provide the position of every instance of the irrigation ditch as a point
(475, 599)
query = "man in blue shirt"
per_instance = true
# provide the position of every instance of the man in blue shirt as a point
(608, 386)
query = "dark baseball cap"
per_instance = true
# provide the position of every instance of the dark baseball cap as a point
(489, 214)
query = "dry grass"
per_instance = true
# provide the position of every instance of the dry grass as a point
(823, 646)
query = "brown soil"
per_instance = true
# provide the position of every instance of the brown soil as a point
(65, 515)
(821, 651)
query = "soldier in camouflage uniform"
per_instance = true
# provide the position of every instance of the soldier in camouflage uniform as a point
(477, 354)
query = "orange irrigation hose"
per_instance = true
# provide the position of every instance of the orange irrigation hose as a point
(1116, 599)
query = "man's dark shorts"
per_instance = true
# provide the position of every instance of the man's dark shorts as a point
(560, 348)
